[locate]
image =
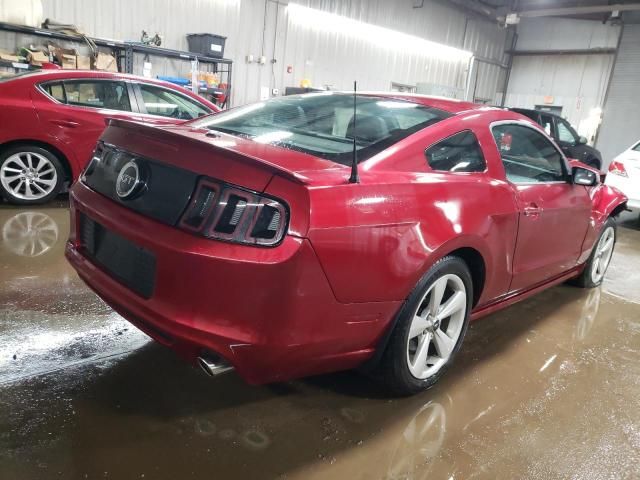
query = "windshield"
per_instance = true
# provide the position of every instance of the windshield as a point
(322, 124)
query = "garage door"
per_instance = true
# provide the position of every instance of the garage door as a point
(621, 120)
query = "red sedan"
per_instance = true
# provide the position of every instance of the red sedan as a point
(52, 119)
(247, 240)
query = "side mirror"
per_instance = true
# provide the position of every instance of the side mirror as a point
(584, 176)
(582, 140)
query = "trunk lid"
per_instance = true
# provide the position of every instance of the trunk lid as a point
(221, 156)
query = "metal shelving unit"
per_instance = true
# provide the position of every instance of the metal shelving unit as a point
(18, 66)
(221, 66)
(125, 52)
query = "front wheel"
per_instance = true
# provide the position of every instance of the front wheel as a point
(430, 328)
(30, 175)
(596, 267)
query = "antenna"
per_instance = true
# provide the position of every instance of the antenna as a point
(354, 178)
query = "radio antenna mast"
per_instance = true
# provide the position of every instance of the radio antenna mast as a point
(354, 178)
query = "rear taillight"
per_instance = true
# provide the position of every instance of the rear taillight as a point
(617, 168)
(96, 156)
(226, 212)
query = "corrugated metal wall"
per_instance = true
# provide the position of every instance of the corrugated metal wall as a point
(621, 118)
(324, 58)
(577, 83)
(487, 41)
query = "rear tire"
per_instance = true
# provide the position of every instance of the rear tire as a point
(429, 330)
(596, 266)
(30, 175)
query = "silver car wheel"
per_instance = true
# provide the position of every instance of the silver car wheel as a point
(28, 176)
(436, 326)
(603, 253)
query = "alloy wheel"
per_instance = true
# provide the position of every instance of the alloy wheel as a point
(28, 176)
(436, 326)
(603, 253)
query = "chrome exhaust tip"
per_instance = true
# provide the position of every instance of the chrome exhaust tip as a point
(213, 366)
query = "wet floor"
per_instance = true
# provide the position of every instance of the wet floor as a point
(549, 388)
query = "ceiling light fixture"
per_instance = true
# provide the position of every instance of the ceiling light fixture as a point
(380, 36)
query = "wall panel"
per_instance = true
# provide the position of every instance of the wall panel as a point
(577, 83)
(621, 119)
(324, 58)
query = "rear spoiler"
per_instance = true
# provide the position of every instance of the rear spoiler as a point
(166, 136)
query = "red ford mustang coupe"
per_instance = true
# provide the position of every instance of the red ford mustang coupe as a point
(51, 120)
(247, 240)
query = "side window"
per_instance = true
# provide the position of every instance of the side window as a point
(636, 148)
(565, 132)
(457, 153)
(527, 155)
(547, 124)
(56, 90)
(163, 102)
(98, 94)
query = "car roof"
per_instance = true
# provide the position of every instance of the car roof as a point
(60, 74)
(450, 105)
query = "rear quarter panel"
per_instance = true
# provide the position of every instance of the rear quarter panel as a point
(377, 238)
(17, 115)
(20, 120)
(376, 244)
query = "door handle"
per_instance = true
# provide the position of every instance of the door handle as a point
(532, 210)
(65, 123)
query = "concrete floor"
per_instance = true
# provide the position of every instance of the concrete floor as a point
(549, 388)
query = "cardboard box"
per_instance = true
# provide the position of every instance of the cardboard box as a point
(67, 61)
(83, 62)
(9, 57)
(106, 62)
(65, 57)
(37, 58)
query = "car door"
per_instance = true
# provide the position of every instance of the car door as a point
(76, 110)
(553, 212)
(162, 106)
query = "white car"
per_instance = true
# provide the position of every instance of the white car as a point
(624, 174)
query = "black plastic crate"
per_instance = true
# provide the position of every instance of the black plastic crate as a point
(207, 44)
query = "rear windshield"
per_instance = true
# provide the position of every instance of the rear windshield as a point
(322, 124)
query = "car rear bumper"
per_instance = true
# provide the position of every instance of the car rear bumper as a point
(629, 186)
(269, 312)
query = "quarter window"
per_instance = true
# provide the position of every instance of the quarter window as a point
(97, 94)
(56, 90)
(458, 153)
(527, 155)
(159, 101)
